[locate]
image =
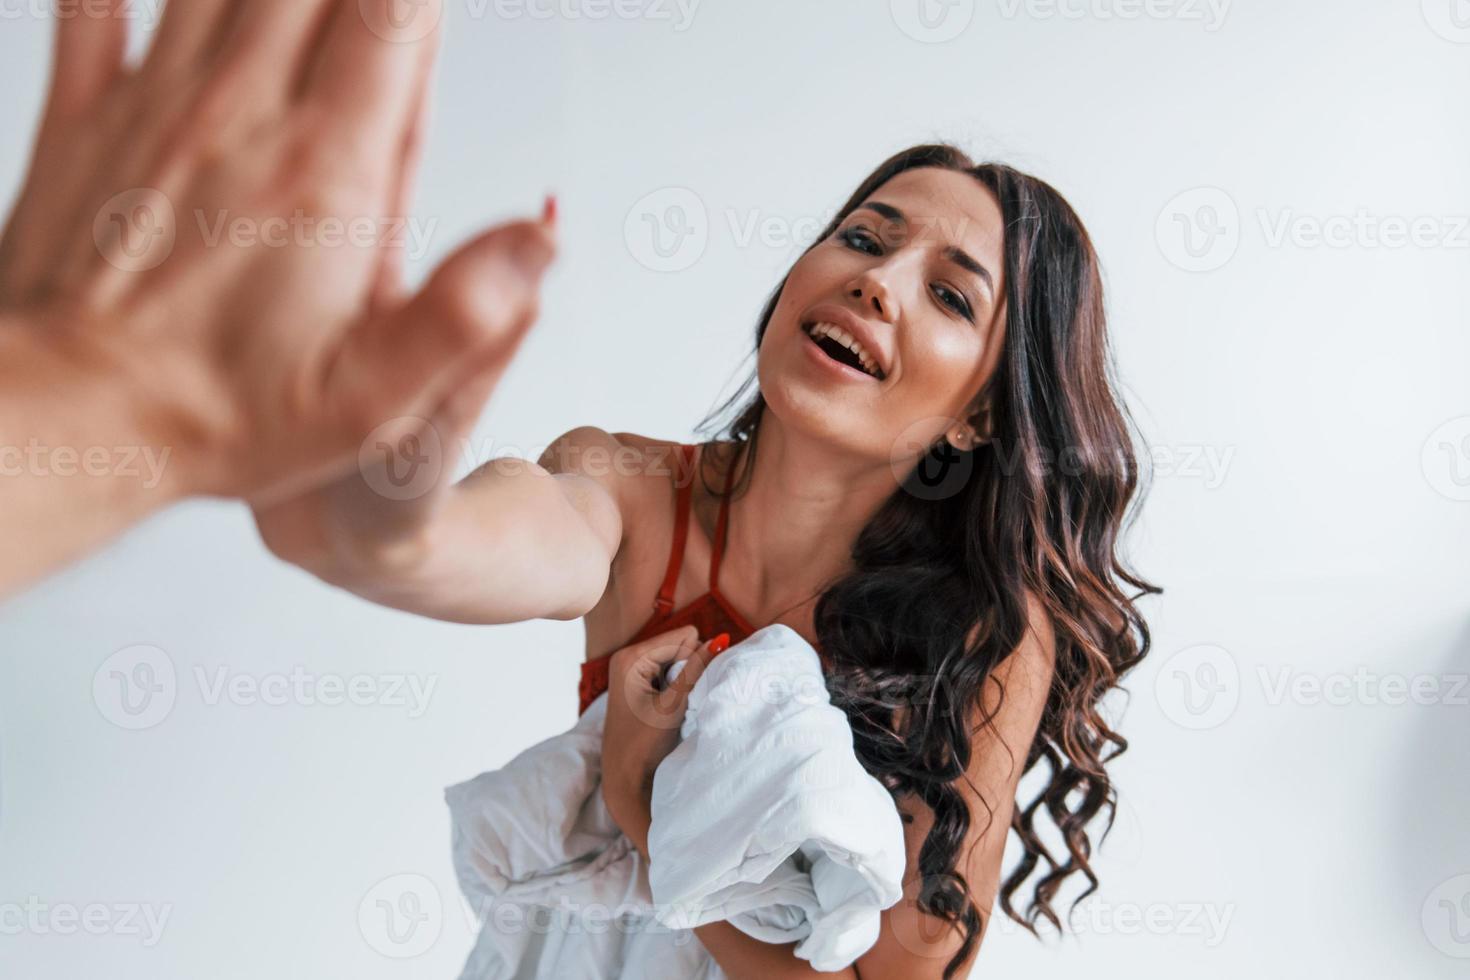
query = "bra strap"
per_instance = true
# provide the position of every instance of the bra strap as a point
(721, 525)
(683, 487)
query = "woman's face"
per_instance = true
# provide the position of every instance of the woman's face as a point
(914, 274)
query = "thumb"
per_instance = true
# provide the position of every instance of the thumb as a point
(463, 327)
(696, 663)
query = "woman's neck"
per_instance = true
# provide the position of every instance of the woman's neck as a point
(792, 530)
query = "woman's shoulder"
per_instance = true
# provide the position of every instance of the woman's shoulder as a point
(593, 451)
(636, 470)
(640, 473)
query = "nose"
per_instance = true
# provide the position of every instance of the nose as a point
(873, 293)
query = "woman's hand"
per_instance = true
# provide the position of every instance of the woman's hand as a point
(219, 231)
(643, 720)
(406, 467)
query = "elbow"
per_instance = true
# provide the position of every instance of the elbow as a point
(585, 588)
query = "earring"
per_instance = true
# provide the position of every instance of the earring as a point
(964, 439)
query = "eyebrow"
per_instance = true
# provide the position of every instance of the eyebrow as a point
(954, 253)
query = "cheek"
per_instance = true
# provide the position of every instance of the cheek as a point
(944, 360)
(798, 292)
(820, 274)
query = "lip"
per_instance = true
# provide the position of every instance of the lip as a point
(847, 371)
(866, 334)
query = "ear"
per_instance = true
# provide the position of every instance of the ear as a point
(972, 432)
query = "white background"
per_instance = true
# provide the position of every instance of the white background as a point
(1307, 403)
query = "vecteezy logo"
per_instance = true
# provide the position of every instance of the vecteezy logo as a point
(401, 916)
(1198, 687)
(937, 475)
(401, 21)
(1450, 19)
(932, 21)
(1199, 230)
(1445, 459)
(1445, 917)
(402, 459)
(136, 687)
(667, 230)
(135, 231)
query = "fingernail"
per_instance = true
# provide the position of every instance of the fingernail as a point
(549, 210)
(720, 643)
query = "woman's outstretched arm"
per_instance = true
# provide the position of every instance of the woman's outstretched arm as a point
(514, 540)
(145, 354)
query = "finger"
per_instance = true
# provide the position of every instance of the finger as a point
(698, 661)
(684, 673)
(390, 273)
(268, 45)
(364, 77)
(475, 310)
(458, 412)
(91, 40)
(656, 656)
(190, 32)
(649, 658)
(666, 648)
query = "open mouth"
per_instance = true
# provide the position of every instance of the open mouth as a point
(843, 348)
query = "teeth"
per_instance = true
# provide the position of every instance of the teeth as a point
(820, 330)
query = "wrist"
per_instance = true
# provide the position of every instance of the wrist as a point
(632, 813)
(88, 414)
(131, 401)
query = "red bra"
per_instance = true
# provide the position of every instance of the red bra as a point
(711, 614)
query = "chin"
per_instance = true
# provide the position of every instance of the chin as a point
(810, 410)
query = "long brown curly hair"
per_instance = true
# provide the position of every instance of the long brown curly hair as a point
(937, 593)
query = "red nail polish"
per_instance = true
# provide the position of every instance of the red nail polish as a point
(720, 643)
(549, 210)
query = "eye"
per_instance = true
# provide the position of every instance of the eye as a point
(859, 239)
(955, 301)
(856, 236)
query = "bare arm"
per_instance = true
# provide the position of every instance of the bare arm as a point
(514, 540)
(913, 943)
(83, 454)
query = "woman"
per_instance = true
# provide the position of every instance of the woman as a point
(928, 485)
